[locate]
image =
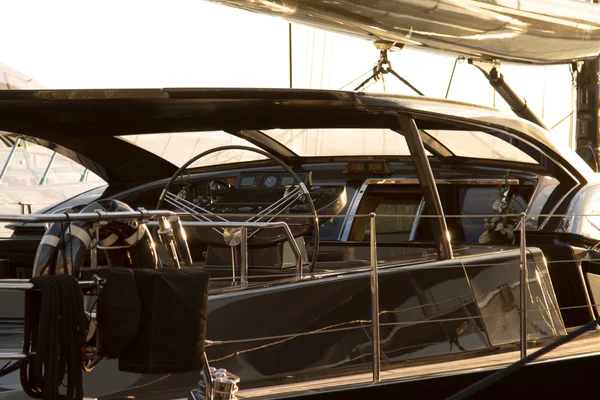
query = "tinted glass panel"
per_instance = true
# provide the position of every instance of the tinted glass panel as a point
(476, 144)
(341, 141)
(395, 208)
(177, 148)
(479, 201)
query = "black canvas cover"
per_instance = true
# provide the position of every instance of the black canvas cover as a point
(118, 311)
(173, 325)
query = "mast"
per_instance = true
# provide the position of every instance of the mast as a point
(587, 134)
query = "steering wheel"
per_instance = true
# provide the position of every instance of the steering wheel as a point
(231, 236)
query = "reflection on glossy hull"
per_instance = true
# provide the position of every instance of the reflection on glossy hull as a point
(532, 31)
(318, 327)
(424, 312)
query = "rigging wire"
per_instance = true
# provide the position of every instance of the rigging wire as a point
(290, 52)
(562, 120)
(323, 59)
(370, 70)
(460, 59)
(312, 59)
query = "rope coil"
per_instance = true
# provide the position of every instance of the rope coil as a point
(54, 336)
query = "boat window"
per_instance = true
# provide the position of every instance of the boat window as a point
(398, 208)
(477, 144)
(341, 142)
(177, 148)
(396, 211)
(479, 201)
(330, 230)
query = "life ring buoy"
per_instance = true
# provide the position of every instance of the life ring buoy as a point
(63, 248)
(45, 256)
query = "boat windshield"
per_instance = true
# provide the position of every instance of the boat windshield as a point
(179, 147)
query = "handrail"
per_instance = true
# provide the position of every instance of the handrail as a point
(143, 214)
(523, 291)
(24, 284)
(244, 226)
(375, 302)
(88, 216)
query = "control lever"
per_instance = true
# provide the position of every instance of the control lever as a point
(166, 237)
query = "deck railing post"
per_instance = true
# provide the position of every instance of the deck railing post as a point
(375, 302)
(244, 256)
(523, 296)
(94, 246)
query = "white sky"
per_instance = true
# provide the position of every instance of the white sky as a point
(133, 43)
(186, 43)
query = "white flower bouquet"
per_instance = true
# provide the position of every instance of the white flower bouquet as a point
(500, 228)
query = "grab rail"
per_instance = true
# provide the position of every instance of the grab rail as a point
(523, 292)
(88, 216)
(243, 226)
(375, 301)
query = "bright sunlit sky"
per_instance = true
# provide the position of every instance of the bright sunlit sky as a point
(187, 43)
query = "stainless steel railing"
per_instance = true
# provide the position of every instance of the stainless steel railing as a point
(375, 312)
(374, 286)
(243, 227)
(375, 300)
(374, 269)
(523, 291)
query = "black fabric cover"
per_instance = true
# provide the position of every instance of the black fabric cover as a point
(173, 326)
(118, 311)
(5, 272)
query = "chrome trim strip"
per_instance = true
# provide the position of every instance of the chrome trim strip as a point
(556, 206)
(413, 231)
(354, 203)
(455, 181)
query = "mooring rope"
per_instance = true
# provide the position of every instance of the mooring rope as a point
(54, 336)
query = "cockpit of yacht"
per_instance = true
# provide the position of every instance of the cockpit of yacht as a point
(292, 200)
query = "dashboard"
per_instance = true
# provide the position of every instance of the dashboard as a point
(270, 181)
(251, 192)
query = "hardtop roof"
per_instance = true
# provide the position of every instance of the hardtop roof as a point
(83, 123)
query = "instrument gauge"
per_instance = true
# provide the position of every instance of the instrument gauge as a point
(270, 181)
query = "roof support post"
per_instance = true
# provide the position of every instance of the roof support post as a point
(10, 157)
(428, 186)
